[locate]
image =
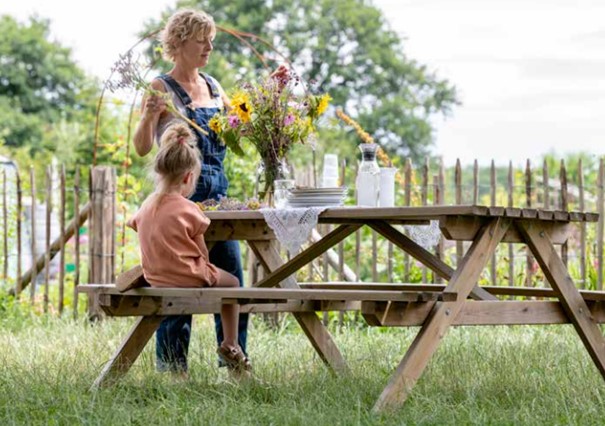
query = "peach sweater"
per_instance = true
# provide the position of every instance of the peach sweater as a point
(171, 238)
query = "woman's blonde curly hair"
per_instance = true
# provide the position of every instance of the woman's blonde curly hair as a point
(184, 25)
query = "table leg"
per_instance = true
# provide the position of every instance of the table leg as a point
(424, 256)
(572, 302)
(129, 351)
(442, 315)
(316, 332)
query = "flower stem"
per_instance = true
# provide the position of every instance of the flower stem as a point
(189, 121)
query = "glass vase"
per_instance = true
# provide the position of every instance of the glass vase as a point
(368, 176)
(267, 172)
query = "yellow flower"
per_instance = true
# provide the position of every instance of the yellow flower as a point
(363, 135)
(242, 106)
(323, 104)
(309, 124)
(215, 124)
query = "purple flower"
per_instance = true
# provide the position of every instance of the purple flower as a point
(234, 121)
(288, 120)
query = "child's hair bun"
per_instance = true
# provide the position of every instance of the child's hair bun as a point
(178, 132)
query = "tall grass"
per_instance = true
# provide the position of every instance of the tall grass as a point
(487, 375)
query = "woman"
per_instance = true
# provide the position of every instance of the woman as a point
(187, 42)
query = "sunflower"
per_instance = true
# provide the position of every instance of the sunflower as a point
(215, 124)
(323, 104)
(242, 106)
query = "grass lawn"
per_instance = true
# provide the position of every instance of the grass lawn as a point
(486, 375)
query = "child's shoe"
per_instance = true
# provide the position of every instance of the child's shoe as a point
(236, 361)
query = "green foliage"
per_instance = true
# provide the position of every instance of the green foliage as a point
(345, 48)
(40, 82)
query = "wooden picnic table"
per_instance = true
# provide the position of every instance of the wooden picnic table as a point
(432, 307)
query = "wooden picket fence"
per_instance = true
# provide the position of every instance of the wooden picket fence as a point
(90, 200)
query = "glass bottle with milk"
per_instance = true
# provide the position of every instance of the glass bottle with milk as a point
(368, 176)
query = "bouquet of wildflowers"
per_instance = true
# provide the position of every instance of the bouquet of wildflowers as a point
(273, 115)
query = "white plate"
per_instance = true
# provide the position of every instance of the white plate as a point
(315, 199)
(309, 189)
(318, 191)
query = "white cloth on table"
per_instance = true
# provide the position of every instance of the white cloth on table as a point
(426, 236)
(292, 226)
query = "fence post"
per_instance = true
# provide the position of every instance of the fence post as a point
(529, 260)
(492, 186)
(34, 273)
(407, 202)
(511, 250)
(475, 182)
(424, 194)
(582, 225)
(564, 205)
(103, 220)
(546, 184)
(600, 182)
(458, 198)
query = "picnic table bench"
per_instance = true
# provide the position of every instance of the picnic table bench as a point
(433, 307)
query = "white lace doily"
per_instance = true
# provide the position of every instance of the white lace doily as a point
(426, 236)
(292, 226)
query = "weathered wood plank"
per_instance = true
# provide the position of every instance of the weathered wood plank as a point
(55, 246)
(464, 228)
(318, 335)
(49, 206)
(76, 235)
(129, 350)
(424, 256)
(34, 248)
(244, 294)
(484, 313)
(256, 229)
(555, 271)
(306, 256)
(442, 316)
(62, 239)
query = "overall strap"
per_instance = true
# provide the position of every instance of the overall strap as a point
(212, 85)
(176, 88)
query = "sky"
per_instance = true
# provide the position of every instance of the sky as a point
(530, 73)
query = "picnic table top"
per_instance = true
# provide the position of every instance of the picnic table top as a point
(422, 213)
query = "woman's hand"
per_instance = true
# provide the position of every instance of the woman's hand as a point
(282, 75)
(154, 106)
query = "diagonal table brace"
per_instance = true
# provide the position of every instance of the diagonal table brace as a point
(283, 271)
(442, 315)
(571, 300)
(424, 256)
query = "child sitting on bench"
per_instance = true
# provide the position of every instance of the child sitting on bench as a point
(171, 230)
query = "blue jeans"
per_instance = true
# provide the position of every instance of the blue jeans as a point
(174, 333)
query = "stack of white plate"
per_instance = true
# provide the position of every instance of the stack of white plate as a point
(310, 197)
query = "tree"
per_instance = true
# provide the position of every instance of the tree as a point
(346, 48)
(40, 84)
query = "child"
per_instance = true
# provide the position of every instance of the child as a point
(171, 234)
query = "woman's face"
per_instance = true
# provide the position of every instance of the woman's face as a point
(195, 51)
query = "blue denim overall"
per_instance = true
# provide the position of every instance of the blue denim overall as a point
(173, 335)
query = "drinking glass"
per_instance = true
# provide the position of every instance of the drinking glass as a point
(281, 189)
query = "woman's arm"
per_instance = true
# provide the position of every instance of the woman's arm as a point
(152, 108)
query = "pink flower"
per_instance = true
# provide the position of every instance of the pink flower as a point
(234, 121)
(288, 120)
